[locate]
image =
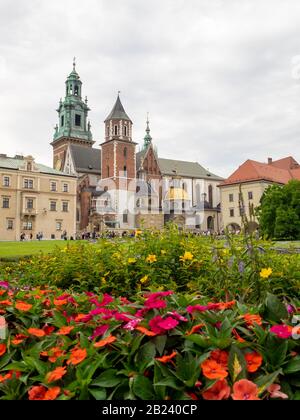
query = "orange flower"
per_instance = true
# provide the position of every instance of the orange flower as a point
(37, 393)
(4, 378)
(52, 393)
(36, 332)
(195, 329)
(245, 390)
(6, 302)
(77, 356)
(166, 359)
(213, 370)
(65, 330)
(2, 349)
(56, 374)
(2, 292)
(252, 319)
(54, 354)
(23, 306)
(226, 305)
(19, 338)
(79, 317)
(221, 357)
(254, 361)
(108, 340)
(60, 302)
(146, 331)
(219, 391)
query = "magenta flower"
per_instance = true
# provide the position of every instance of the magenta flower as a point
(4, 284)
(177, 316)
(168, 323)
(282, 331)
(132, 324)
(121, 317)
(99, 331)
(155, 304)
(153, 324)
(202, 308)
(290, 308)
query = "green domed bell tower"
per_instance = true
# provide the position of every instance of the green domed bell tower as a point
(73, 125)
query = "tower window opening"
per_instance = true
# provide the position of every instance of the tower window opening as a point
(71, 90)
(77, 120)
(116, 130)
(62, 120)
(76, 90)
(125, 170)
(125, 131)
(107, 131)
(107, 171)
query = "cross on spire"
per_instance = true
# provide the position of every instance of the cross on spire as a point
(74, 63)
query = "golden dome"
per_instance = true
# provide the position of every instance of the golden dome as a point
(177, 194)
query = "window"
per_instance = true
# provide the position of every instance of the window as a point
(210, 196)
(28, 184)
(242, 211)
(5, 203)
(76, 90)
(183, 205)
(29, 166)
(231, 198)
(27, 225)
(125, 152)
(125, 131)
(250, 195)
(116, 130)
(29, 203)
(65, 206)
(77, 120)
(62, 120)
(138, 203)
(107, 169)
(107, 130)
(52, 186)
(52, 205)
(105, 203)
(58, 225)
(125, 170)
(231, 212)
(10, 224)
(66, 188)
(125, 217)
(184, 186)
(6, 181)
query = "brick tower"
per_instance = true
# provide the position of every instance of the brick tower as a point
(119, 164)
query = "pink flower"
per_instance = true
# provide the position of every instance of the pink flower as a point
(125, 301)
(155, 304)
(121, 317)
(4, 284)
(97, 311)
(141, 312)
(282, 331)
(153, 324)
(168, 323)
(63, 297)
(106, 299)
(89, 294)
(275, 392)
(157, 295)
(132, 324)
(87, 318)
(177, 316)
(99, 331)
(201, 308)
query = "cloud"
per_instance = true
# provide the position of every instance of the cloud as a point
(219, 78)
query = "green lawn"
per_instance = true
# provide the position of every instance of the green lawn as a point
(20, 249)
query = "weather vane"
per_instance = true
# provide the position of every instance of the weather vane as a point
(74, 63)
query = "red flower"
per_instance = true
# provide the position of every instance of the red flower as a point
(219, 391)
(254, 361)
(2, 349)
(36, 332)
(220, 356)
(245, 390)
(42, 394)
(252, 319)
(56, 374)
(213, 370)
(19, 338)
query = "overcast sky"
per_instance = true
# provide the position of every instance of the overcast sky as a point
(220, 78)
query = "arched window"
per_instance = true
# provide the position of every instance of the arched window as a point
(125, 152)
(210, 223)
(76, 90)
(125, 131)
(71, 90)
(210, 196)
(116, 130)
(29, 166)
(125, 170)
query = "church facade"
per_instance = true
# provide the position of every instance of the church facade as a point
(119, 187)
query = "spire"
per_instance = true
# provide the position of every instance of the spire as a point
(118, 111)
(147, 138)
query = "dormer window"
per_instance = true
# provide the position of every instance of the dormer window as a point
(29, 166)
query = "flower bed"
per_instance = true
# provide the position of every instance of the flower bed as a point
(163, 346)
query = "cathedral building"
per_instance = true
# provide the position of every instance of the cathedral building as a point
(120, 187)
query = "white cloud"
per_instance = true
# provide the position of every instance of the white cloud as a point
(218, 77)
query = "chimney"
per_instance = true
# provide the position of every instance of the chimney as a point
(270, 161)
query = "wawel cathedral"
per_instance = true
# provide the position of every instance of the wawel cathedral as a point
(122, 185)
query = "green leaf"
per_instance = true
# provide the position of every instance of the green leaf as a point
(21, 366)
(145, 356)
(143, 388)
(98, 394)
(263, 382)
(276, 310)
(171, 383)
(293, 366)
(275, 351)
(187, 369)
(199, 340)
(237, 364)
(58, 319)
(107, 379)
(160, 343)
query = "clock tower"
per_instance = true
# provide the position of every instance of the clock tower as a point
(73, 126)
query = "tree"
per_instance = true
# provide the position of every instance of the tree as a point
(279, 211)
